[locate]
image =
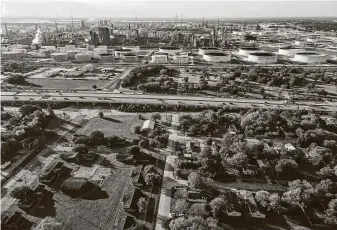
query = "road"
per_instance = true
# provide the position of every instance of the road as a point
(111, 98)
(168, 182)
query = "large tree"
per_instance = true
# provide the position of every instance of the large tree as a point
(217, 205)
(195, 180)
(181, 206)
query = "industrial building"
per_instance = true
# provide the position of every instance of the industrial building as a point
(217, 57)
(81, 50)
(180, 59)
(106, 58)
(170, 50)
(290, 51)
(204, 50)
(245, 51)
(59, 57)
(310, 57)
(262, 58)
(159, 58)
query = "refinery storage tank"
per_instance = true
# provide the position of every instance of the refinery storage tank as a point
(262, 58)
(132, 48)
(290, 51)
(204, 50)
(217, 57)
(101, 51)
(52, 48)
(70, 47)
(130, 58)
(159, 58)
(59, 57)
(81, 50)
(71, 53)
(310, 58)
(170, 50)
(180, 59)
(82, 57)
(11, 55)
(245, 51)
(121, 52)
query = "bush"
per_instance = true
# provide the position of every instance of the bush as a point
(20, 192)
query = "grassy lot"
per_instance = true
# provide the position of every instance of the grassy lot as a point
(87, 214)
(67, 83)
(119, 125)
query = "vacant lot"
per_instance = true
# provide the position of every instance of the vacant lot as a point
(119, 125)
(87, 214)
(65, 84)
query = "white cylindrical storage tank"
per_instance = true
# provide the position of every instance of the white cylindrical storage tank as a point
(134, 49)
(11, 55)
(217, 57)
(262, 58)
(180, 59)
(59, 57)
(82, 57)
(170, 50)
(53, 48)
(121, 52)
(71, 53)
(205, 50)
(81, 50)
(100, 51)
(70, 47)
(61, 49)
(130, 58)
(245, 51)
(159, 58)
(310, 58)
(21, 51)
(91, 53)
(289, 51)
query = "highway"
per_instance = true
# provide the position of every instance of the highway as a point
(102, 97)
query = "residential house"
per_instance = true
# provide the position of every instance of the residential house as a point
(196, 196)
(148, 124)
(250, 202)
(233, 205)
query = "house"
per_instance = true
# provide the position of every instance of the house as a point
(175, 122)
(148, 124)
(263, 164)
(81, 187)
(137, 178)
(196, 196)
(289, 147)
(130, 199)
(233, 206)
(36, 198)
(54, 172)
(192, 146)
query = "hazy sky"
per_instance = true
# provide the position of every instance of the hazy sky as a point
(167, 9)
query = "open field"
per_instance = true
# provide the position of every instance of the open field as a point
(67, 84)
(112, 125)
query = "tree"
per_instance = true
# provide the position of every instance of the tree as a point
(274, 202)
(20, 192)
(181, 206)
(299, 193)
(192, 222)
(262, 198)
(325, 188)
(327, 172)
(238, 160)
(48, 223)
(198, 209)
(330, 215)
(145, 143)
(136, 129)
(195, 180)
(284, 165)
(82, 140)
(97, 137)
(142, 204)
(156, 116)
(150, 169)
(134, 149)
(100, 114)
(81, 148)
(205, 153)
(217, 205)
(152, 178)
(28, 109)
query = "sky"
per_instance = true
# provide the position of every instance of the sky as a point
(167, 8)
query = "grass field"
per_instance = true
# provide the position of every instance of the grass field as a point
(119, 125)
(64, 84)
(88, 214)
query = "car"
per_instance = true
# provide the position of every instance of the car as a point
(15, 97)
(81, 97)
(54, 98)
(66, 98)
(31, 99)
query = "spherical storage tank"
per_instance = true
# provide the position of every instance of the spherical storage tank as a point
(310, 58)
(204, 50)
(82, 58)
(11, 55)
(59, 57)
(217, 57)
(262, 58)
(245, 51)
(290, 51)
(170, 50)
